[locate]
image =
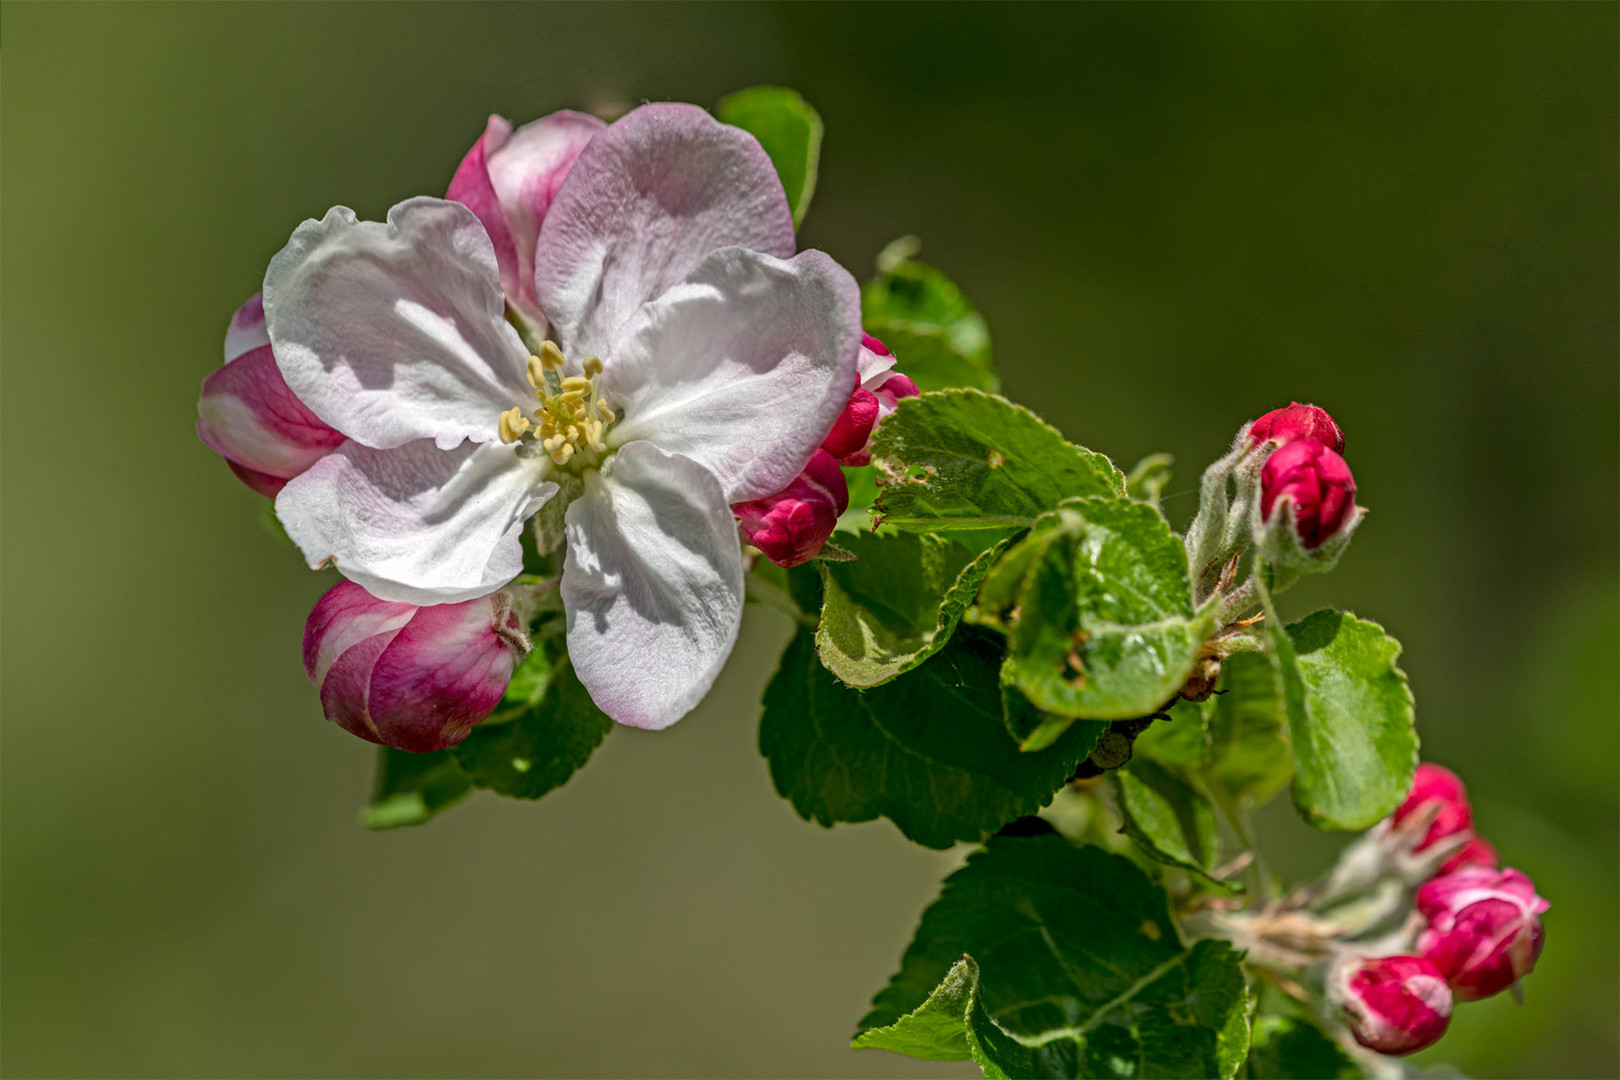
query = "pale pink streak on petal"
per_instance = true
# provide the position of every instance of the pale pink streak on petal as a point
(344, 617)
(743, 367)
(247, 328)
(526, 171)
(652, 585)
(472, 188)
(248, 415)
(648, 197)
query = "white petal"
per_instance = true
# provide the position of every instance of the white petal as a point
(394, 332)
(416, 523)
(648, 197)
(652, 584)
(743, 367)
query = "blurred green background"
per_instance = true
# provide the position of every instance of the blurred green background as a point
(1174, 218)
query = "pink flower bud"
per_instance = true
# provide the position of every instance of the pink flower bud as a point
(414, 678)
(1318, 483)
(249, 416)
(791, 526)
(1477, 852)
(1283, 426)
(1393, 1004)
(878, 389)
(1484, 929)
(508, 179)
(1438, 791)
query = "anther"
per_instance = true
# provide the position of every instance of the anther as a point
(537, 373)
(593, 365)
(550, 355)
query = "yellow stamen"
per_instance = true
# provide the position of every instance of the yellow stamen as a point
(571, 417)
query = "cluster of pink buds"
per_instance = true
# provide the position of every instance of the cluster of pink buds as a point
(1306, 490)
(1294, 503)
(1476, 930)
(793, 525)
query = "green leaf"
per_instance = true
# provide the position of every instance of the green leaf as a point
(1171, 820)
(1081, 972)
(863, 492)
(1146, 480)
(1287, 1048)
(552, 734)
(938, 339)
(411, 788)
(897, 605)
(1248, 734)
(1180, 740)
(936, 1030)
(1103, 625)
(928, 750)
(789, 130)
(963, 459)
(1350, 717)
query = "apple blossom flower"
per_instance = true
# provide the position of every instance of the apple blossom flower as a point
(509, 179)
(1316, 483)
(697, 363)
(1484, 929)
(248, 416)
(1393, 1004)
(793, 525)
(1283, 426)
(414, 678)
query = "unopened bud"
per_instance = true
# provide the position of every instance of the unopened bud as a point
(1283, 426)
(1484, 931)
(791, 526)
(1439, 795)
(1315, 483)
(1477, 852)
(248, 414)
(878, 390)
(1393, 1004)
(414, 678)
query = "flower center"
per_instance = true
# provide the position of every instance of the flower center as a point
(571, 418)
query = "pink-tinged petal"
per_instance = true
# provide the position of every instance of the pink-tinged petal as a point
(527, 170)
(875, 358)
(472, 188)
(650, 196)
(743, 367)
(417, 523)
(443, 672)
(792, 526)
(343, 618)
(652, 584)
(509, 179)
(396, 332)
(247, 328)
(249, 416)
